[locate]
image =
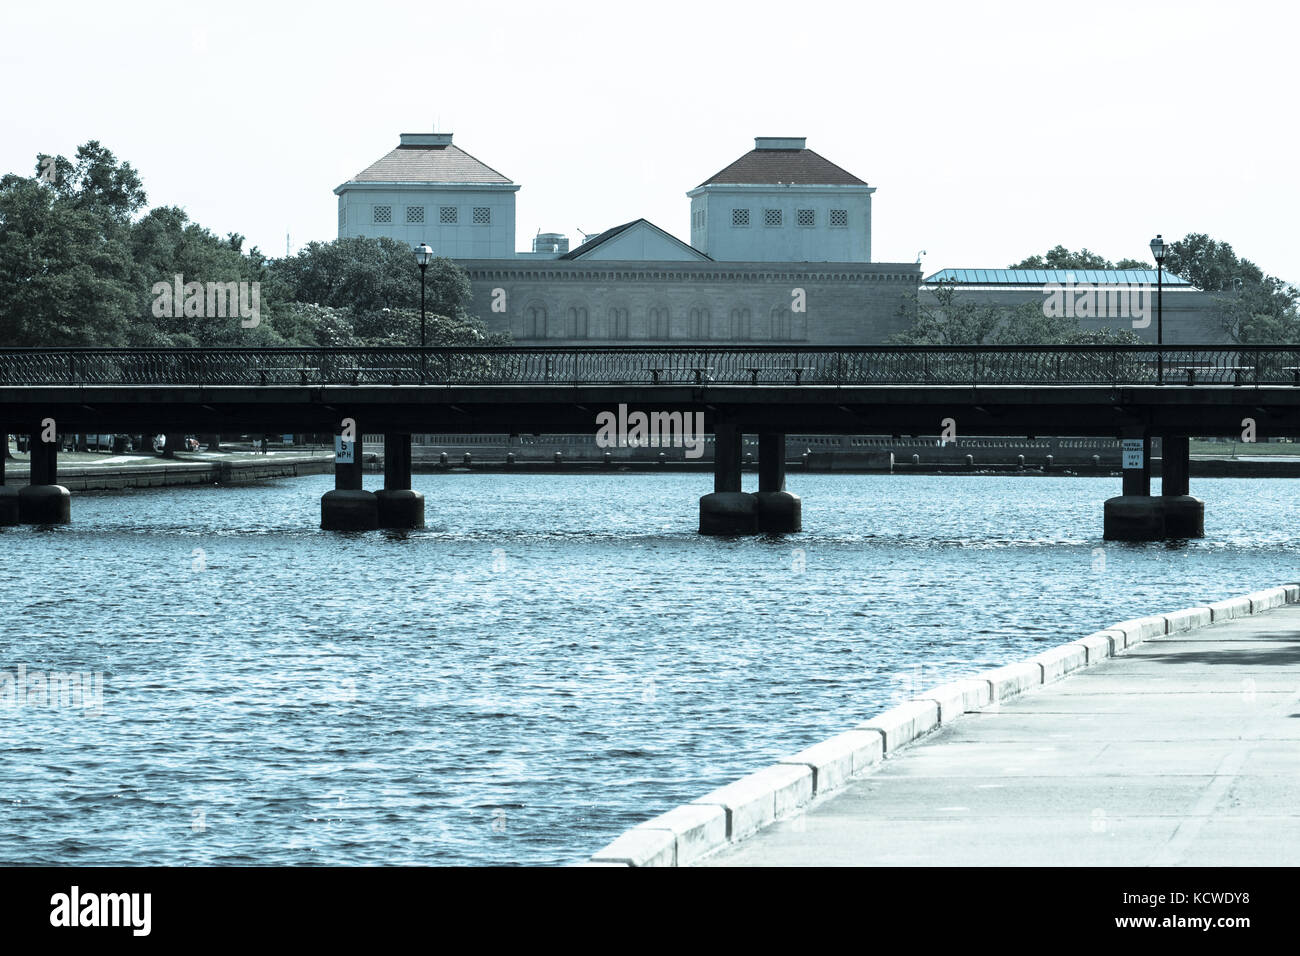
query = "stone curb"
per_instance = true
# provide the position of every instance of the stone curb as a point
(740, 809)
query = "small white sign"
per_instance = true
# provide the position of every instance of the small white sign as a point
(344, 451)
(1132, 452)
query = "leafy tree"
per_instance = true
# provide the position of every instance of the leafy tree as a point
(949, 321)
(1062, 258)
(80, 256)
(367, 275)
(398, 327)
(1255, 309)
(65, 268)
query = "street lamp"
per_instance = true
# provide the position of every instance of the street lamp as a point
(423, 256)
(1158, 250)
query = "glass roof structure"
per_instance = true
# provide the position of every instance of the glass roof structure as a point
(1059, 276)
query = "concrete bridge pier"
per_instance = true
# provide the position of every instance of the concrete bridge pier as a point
(728, 510)
(1184, 514)
(8, 495)
(399, 506)
(1135, 515)
(44, 500)
(778, 510)
(348, 507)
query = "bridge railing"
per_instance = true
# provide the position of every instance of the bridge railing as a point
(635, 365)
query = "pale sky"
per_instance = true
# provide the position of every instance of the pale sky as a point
(991, 131)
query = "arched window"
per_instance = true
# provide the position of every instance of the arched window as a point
(618, 324)
(782, 326)
(578, 326)
(700, 327)
(659, 322)
(535, 321)
(740, 324)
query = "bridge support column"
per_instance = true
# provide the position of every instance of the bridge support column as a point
(8, 494)
(399, 506)
(1184, 514)
(778, 510)
(44, 500)
(1135, 515)
(348, 507)
(728, 510)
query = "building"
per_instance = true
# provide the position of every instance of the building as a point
(780, 253)
(428, 190)
(1096, 298)
(782, 202)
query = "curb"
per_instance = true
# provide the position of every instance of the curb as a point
(739, 810)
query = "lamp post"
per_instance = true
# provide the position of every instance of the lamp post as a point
(423, 256)
(1158, 250)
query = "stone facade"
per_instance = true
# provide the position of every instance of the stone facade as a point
(593, 303)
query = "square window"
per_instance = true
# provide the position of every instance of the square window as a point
(447, 215)
(383, 214)
(806, 217)
(740, 217)
(839, 217)
(771, 217)
(482, 215)
(415, 214)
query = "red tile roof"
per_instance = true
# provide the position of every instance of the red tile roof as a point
(801, 167)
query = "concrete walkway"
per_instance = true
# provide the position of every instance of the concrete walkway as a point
(1185, 750)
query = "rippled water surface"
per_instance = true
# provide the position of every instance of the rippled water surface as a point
(555, 659)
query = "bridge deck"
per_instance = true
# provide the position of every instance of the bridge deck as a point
(1184, 750)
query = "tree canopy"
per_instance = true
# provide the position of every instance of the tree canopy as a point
(80, 255)
(1060, 257)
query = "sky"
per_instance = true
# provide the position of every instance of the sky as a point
(991, 131)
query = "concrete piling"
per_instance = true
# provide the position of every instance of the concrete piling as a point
(44, 500)
(348, 507)
(398, 506)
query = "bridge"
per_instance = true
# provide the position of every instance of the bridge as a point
(1130, 392)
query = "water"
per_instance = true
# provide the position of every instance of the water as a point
(553, 660)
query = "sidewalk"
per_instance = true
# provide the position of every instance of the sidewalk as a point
(1185, 750)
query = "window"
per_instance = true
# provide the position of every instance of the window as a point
(740, 323)
(740, 217)
(806, 217)
(839, 217)
(771, 217)
(618, 326)
(447, 215)
(658, 323)
(578, 324)
(415, 214)
(700, 325)
(482, 215)
(343, 216)
(383, 214)
(535, 322)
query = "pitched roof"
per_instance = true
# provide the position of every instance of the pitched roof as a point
(799, 167)
(1059, 276)
(428, 164)
(591, 244)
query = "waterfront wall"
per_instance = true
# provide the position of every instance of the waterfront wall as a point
(737, 811)
(111, 477)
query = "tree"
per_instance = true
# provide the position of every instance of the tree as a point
(1062, 258)
(1255, 309)
(65, 268)
(369, 275)
(950, 321)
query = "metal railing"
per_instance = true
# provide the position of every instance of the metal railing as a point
(632, 365)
